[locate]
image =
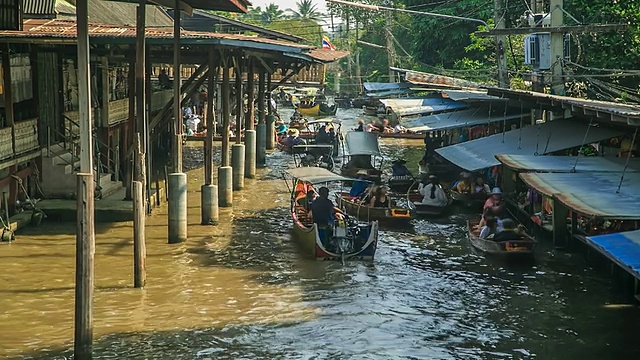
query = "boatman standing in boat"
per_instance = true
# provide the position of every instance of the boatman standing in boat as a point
(323, 209)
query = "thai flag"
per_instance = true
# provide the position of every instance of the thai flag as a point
(326, 44)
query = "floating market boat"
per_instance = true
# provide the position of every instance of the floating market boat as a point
(347, 239)
(316, 109)
(363, 155)
(524, 246)
(363, 212)
(414, 201)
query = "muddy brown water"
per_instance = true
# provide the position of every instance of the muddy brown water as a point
(243, 290)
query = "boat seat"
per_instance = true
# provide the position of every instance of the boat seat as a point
(301, 214)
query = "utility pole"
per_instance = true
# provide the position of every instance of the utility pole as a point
(349, 88)
(557, 47)
(390, 50)
(357, 56)
(499, 13)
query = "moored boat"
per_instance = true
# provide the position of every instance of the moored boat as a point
(524, 246)
(317, 109)
(402, 135)
(347, 239)
(385, 215)
(400, 184)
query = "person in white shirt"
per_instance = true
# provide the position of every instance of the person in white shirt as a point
(370, 127)
(432, 193)
(398, 129)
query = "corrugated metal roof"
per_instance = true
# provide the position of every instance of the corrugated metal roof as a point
(591, 194)
(39, 7)
(470, 95)
(456, 119)
(629, 114)
(566, 163)
(374, 86)
(407, 107)
(531, 140)
(435, 80)
(624, 247)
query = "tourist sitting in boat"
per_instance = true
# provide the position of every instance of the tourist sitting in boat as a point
(323, 210)
(480, 187)
(398, 168)
(399, 129)
(297, 116)
(489, 214)
(384, 127)
(509, 231)
(359, 185)
(360, 126)
(489, 229)
(380, 199)
(293, 138)
(306, 200)
(322, 136)
(423, 167)
(495, 202)
(464, 186)
(370, 127)
(281, 128)
(433, 193)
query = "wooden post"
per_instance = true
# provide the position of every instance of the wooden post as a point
(208, 147)
(177, 80)
(85, 249)
(131, 130)
(249, 119)
(8, 93)
(141, 109)
(139, 236)
(85, 234)
(239, 106)
(261, 86)
(225, 111)
(147, 133)
(559, 223)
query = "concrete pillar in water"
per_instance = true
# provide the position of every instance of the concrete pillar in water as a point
(250, 154)
(271, 132)
(209, 205)
(177, 208)
(225, 183)
(261, 145)
(237, 162)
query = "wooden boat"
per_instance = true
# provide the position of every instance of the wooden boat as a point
(349, 239)
(404, 135)
(364, 154)
(365, 213)
(469, 200)
(414, 201)
(317, 109)
(525, 246)
(370, 110)
(400, 184)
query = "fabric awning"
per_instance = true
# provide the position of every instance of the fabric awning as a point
(623, 247)
(566, 163)
(374, 86)
(591, 194)
(315, 175)
(362, 143)
(408, 107)
(470, 95)
(452, 120)
(539, 139)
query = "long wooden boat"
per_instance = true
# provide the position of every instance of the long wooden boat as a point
(349, 240)
(317, 110)
(400, 184)
(525, 246)
(469, 200)
(365, 213)
(404, 135)
(414, 201)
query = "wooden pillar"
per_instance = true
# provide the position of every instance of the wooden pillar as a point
(225, 94)
(261, 86)
(8, 93)
(268, 93)
(508, 181)
(177, 80)
(106, 96)
(141, 109)
(239, 98)
(130, 129)
(559, 223)
(249, 119)
(208, 148)
(148, 150)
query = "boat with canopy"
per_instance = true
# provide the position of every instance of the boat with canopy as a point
(363, 154)
(346, 239)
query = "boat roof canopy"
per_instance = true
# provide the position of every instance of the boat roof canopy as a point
(565, 164)
(538, 139)
(313, 146)
(315, 175)
(456, 119)
(326, 121)
(362, 143)
(623, 246)
(591, 194)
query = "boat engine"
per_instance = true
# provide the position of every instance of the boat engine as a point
(343, 237)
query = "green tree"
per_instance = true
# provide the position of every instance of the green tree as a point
(271, 14)
(306, 9)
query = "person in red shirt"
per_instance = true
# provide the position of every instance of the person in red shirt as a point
(495, 202)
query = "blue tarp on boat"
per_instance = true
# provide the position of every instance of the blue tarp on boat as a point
(623, 248)
(407, 107)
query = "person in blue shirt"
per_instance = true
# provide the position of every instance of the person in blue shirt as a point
(322, 209)
(360, 184)
(399, 169)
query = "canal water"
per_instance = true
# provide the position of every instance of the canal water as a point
(242, 290)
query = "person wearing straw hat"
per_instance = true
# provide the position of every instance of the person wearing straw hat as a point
(399, 169)
(359, 185)
(495, 202)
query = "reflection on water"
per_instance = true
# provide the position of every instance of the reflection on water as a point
(241, 290)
